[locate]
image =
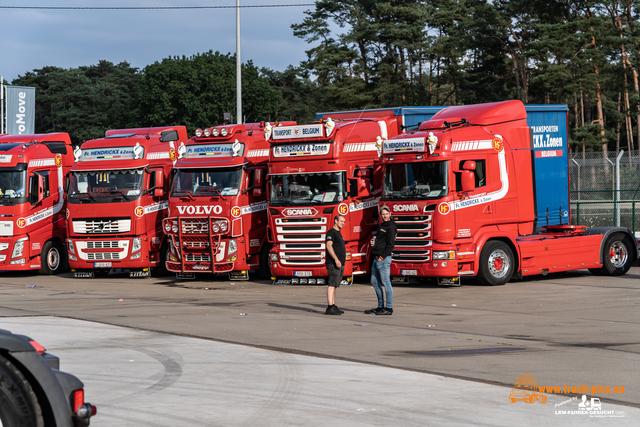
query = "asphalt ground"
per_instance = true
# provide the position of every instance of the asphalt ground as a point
(565, 329)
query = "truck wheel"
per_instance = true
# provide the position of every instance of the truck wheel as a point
(496, 264)
(618, 255)
(52, 258)
(264, 273)
(18, 403)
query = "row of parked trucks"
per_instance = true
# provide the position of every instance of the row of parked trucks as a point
(478, 190)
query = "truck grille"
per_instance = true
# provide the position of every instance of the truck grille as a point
(114, 250)
(302, 240)
(197, 258)
(413, 242)
(96, 256)
(102, 245)
(102, 225)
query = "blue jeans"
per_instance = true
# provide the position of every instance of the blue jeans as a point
(380, 274)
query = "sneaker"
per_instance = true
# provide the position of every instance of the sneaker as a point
(376, 310)
(333, 310)
(385, 312)
(336, 307)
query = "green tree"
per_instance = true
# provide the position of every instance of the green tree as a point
(196, 91)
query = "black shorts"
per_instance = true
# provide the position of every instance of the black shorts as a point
(335, 275)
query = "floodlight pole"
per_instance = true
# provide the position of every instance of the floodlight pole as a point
(238, 68)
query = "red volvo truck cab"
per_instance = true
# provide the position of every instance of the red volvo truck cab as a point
(218, 204)
(482, 190)
(32, 201)
(317, 171)
(118, 197)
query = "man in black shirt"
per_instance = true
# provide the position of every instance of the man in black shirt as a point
(335, 257)
(381, 268)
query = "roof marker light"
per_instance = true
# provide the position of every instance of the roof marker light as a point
(198, 132)
(215, 132)
(224, 132)
(207, 132)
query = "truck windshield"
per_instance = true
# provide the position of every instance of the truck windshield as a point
(106, 186)
(308, 188)
(426, 180)
(12, 185)
(207, 182)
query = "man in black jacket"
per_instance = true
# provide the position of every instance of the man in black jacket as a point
(381, 269)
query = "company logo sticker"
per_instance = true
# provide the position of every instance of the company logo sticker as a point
(21, 222)
(497, 144)
(58, 160)
(343, 209)
(444, 208)
(235, 212)
(300, 212)
(405, 208)
(68, 214)
(139, 211)
(172, 154)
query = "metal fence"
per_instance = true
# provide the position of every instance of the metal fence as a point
(605, 191)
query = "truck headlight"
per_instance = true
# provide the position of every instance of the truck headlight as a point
(174, 227)
(273, 257)
(18, 246)
(233, 246)
(70, 246)
(215, 227)
(223, 226)
(167, 226)
(444, 255)
(136, 245)
(136, 256)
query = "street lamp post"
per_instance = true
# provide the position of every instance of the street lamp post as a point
(238, 68)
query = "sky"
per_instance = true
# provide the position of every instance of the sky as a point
(32, 39)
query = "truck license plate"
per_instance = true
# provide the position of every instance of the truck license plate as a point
(302, 273)
(102, 265)
(409, 272)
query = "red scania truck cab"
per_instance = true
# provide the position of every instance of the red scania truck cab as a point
(218, 207)
(317, 171)
(118, 197)
(32, 201)
(482, 190)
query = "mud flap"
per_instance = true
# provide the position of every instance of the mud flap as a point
(83, 274)
(239, 275)
(449, 281)
(140, 273)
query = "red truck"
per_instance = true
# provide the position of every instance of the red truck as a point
(218, 207)
(315, 172)
(118, 195)
(482, 190)
(32, 201)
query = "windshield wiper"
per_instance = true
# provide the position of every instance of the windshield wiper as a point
(185, 191)
(121, 193)
(84, 194)
(283, 202)
(215, 190)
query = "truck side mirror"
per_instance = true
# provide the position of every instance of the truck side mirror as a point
(258, 178)
(469, 165)
(36, 190)
(468, 179)
(363, 173)
(158, 191)
(363, 187)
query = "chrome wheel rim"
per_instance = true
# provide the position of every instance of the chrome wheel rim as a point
(618, 254)
(53, 259)
(499, 263)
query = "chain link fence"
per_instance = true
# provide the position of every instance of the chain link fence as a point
(595, 200)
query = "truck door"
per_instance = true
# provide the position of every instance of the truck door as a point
(256, 220)
(39, 215)
(473, 210)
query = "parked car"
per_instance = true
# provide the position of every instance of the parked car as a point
(33, 392)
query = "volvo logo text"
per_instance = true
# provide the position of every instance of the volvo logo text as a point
(200, 210)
